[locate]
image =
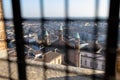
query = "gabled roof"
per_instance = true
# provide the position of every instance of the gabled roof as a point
(49, 56)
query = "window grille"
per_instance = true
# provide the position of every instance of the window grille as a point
(111, 44)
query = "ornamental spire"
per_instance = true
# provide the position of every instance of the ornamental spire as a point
(46, 33)
(77, 35)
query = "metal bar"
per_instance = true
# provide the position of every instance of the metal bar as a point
(66, 33)
(42, 20)
(112, 40)
(95, 34)
(4, 77)
(19, 39)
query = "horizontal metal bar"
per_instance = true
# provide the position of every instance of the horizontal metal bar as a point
(4, 77)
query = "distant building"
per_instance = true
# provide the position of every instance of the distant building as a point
(72, 58)
(69, 52)
(72, 55)
(51, 57)
(92, 61)
(72, 52)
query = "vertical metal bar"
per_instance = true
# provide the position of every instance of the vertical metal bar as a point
(66, 33)
(112, 40)
(95, 35)
(42, 34)
(19, 39)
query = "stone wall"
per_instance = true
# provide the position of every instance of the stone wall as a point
(35, 71)
(3, 46)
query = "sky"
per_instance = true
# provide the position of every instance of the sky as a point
(56, 8)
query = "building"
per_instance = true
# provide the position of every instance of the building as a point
(92, 61)
(73, 52)
(72, 58)
(50, 57)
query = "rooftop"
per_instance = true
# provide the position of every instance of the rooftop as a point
(49, 56)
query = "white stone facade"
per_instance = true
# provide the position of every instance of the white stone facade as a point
(88, 60)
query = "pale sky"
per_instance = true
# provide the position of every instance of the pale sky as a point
(56, 8)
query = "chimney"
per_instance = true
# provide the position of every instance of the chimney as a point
(61, 33)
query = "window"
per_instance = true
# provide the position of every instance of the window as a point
(103, 67)
(31, 20)
(95, 65)
(85, 62)
(59, 62)
(91, 64)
